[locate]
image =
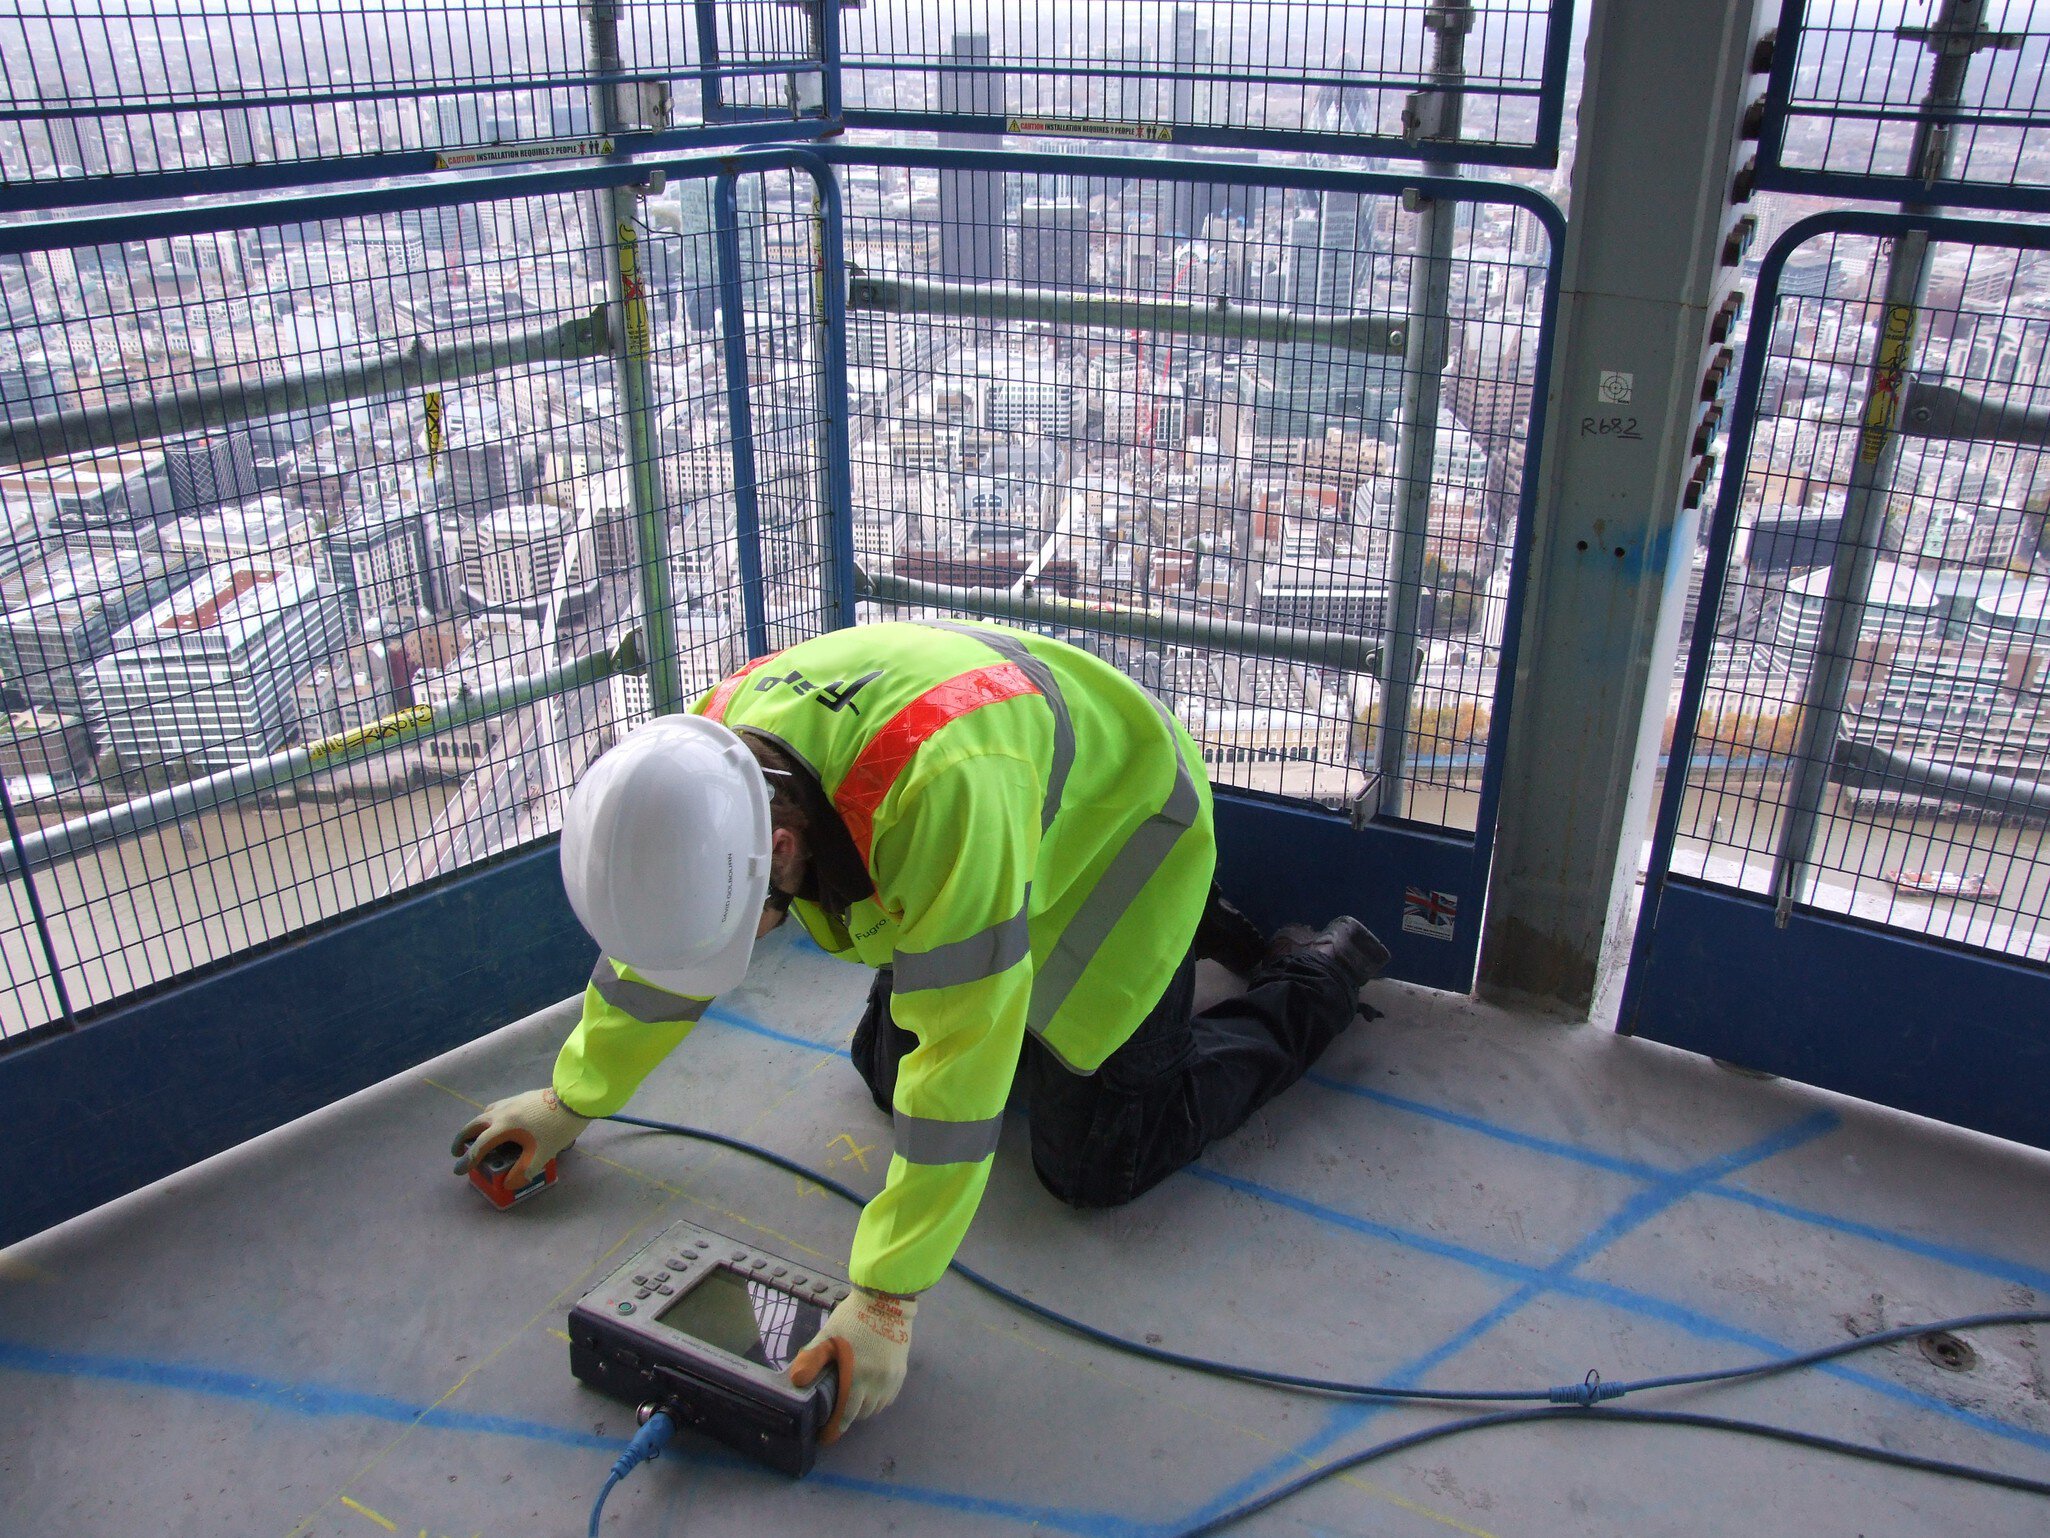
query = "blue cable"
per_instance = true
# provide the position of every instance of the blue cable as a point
(646, 1446)
(1582, 1401)
(1588, 1392)
(1468, 1423)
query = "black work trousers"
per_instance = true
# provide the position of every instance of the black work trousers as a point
(1184, 1079)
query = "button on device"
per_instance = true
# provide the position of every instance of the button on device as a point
(660, 1276)
(640, 1281)
(704, 1244)
(756, 1265)
(779, 1270)
(818, 1286)
(799, 1280)
(678, 1261)
(740, 1254)
(626, 1308)
(641, 1292)
(666, 1291)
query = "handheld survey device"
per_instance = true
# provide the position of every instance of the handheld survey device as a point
(488, 1175)
(704, 1327)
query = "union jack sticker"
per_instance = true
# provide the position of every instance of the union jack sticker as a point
(1429, 913)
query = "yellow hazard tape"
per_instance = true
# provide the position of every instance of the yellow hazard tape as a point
(430, 409)
(1887, 380)
(377, 731)
(634, 290)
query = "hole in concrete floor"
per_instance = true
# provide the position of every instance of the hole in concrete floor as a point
(1948, 1351)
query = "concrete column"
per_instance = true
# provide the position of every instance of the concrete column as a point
(1663, 93)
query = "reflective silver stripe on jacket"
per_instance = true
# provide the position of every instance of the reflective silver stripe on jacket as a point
(921, 1140)
(1013, 650)
(1130, 869)
(996, 949)
(644, 1001)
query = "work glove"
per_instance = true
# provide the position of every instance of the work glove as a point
(536, 1123)
(868, 1337)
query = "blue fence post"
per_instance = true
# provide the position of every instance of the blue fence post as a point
(836, 449)
(747, 526)
(711, 103)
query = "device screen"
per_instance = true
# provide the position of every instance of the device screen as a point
(749, 1318)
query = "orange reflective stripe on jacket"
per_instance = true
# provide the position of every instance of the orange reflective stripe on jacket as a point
(883, 759)
(715, 707)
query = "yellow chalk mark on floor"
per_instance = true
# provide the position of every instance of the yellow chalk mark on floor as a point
(561, 1335)
(857, 1153)
(362, 1510)
(573, 1286)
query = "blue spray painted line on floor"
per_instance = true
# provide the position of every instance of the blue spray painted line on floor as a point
(321, 1402)
(1345, 1420)
(756, 1028)
(1625, 1299)
(313, 1400)
(1999, 1267)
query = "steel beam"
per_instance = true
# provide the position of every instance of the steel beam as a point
(1317, 648)
(1959, 32)
(1612, 545)
(1219, 319)
(1436, 117)
(412, 368)
(633, 341)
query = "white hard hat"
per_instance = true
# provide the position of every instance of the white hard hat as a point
(665, 853)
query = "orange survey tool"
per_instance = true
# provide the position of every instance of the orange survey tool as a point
(488, 1175)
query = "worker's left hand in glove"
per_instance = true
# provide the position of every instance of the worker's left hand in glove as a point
(868, 1337)
(536, 1123)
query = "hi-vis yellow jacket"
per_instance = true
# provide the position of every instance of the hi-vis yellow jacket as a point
(1038, 830)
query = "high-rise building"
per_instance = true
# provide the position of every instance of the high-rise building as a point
(378, 563)
(1053, 243)
(697, 255)
(61, 610)
(209, 469)
(1191, 101)
(208, 676)
(971, 202)
(452, 236)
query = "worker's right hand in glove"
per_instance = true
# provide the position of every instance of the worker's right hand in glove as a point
(537, 1123)
(868, 1337)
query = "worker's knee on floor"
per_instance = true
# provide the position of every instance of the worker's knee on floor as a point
(1096, 1166)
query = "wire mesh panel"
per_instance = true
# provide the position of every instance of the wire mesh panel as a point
(1853, 79)
(411, 512)
(98, 97)
(1934, 787)
(1227, 72)
(1182, 407)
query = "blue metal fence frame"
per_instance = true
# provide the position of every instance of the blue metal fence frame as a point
(1774, 175)
(1852, 1003)
(1541, 154)
(210, 1059)
(1281, 860)
(115, 1097)
(723, 127)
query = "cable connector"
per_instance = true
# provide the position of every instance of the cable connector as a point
(646, 1446)
(1588, 1391)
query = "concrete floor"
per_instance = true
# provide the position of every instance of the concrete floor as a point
(324, 1333)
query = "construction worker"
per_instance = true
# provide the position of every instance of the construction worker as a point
(1019, 839)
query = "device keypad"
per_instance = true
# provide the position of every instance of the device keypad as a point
(674, 1260)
